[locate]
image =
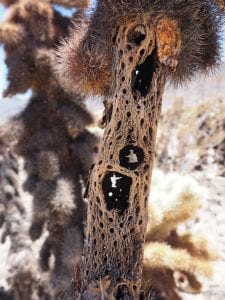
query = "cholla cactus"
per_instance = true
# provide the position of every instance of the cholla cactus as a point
(125, 52)
(52, 135)
(89, 51)
(174, 260)
(24, 276)
(183, 198)
(9, 186)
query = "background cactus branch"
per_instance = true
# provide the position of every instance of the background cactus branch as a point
(51, 128)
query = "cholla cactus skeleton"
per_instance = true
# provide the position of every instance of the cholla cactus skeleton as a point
(128, 62)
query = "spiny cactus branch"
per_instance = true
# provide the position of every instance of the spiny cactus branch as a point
(52, 128)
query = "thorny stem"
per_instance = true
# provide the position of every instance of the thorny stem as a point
(120, 181)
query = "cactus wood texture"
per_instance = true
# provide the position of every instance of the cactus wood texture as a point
(119, 183)
(221, 4)
(124, 52)
(85, 61)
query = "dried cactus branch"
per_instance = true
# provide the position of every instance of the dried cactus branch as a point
(143, 44)
(119, 184)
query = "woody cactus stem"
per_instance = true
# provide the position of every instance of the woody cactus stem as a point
(119, 182)
(221, 4)
(127, 65)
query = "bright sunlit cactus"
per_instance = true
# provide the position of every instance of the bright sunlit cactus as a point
(181, 259)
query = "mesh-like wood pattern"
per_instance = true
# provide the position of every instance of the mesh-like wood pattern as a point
(119, 182)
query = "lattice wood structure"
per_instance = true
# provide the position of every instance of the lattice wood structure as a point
(119, 184)
(125, 52)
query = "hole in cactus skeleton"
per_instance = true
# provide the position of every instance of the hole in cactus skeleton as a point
(143, 74)
(131, 157)
(122, 292)
(137, 35)
(116, 189)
